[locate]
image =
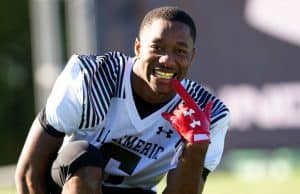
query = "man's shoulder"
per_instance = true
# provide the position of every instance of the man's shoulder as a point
(110, 62)
(194, 87)
(202, 95)
(113, 55)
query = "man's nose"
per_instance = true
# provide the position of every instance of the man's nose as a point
(167, 60)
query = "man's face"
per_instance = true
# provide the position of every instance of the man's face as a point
(164, 52)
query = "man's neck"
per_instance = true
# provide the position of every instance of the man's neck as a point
(141, 88)
(145, 108)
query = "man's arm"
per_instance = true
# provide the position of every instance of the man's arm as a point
(35, 160)
(187, 177)
(193, 125)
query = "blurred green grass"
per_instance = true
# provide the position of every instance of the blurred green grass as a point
(221, 182)
(10, 190)
(229, 183)
(257, 171)
(249, 172)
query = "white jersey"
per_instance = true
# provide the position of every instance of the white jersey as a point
(92, 100)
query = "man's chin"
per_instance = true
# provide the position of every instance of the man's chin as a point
(163, 91)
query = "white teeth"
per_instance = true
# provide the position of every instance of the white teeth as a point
(162, 74)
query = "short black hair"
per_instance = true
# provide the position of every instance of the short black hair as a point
(169, 13)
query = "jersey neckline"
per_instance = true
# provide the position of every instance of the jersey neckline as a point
(140, 123)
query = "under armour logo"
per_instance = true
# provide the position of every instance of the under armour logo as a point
(189, 112)
(167, 132)
(194, 123)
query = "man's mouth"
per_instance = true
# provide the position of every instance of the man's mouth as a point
(157, 72)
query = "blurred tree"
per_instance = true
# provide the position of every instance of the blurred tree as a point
(16, 99)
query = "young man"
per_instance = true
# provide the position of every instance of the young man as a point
(117, 124)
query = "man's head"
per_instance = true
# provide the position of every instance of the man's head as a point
(170, 14)
(164, 50)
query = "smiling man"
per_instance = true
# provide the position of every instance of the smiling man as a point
(117, 124)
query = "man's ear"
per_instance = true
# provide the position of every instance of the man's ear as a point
(193, 54)
(137, 47)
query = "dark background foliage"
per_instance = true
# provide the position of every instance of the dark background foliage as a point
(16, 88)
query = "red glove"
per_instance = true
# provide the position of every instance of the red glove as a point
(188, 119)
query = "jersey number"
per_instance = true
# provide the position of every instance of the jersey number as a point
(127, 161)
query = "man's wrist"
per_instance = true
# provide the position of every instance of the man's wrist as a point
(196, 151)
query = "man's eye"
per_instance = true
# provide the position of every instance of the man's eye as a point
(181, 52)
(156, 47)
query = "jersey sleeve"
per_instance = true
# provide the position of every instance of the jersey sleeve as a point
(219, 122)
(215, 150)
(64, 105)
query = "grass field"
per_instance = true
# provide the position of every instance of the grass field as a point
(230, 183)
(224, 183)
(257, 172)
(251, 172)
(7, 191)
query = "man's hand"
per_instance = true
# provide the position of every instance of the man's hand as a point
(188, 119)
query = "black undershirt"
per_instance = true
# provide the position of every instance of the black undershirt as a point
(145, 108)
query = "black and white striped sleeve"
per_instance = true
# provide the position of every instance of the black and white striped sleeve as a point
(102, 81)
(81, 95)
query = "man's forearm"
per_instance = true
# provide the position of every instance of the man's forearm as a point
(35, 160)
(187, 177)
(21, 185)
(28, 182)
